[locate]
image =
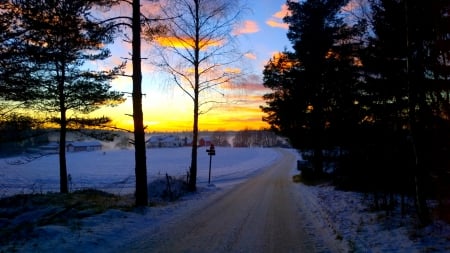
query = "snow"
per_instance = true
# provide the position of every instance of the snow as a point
(113, 170)
(340, 221)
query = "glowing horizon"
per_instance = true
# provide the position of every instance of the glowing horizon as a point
(167, 108)
(154, 121)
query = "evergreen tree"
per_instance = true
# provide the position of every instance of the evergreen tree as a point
(319, 89)
(407, 90)
(56, 40)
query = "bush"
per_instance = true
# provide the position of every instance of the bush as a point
(167, 189)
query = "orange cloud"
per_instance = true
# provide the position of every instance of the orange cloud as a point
(250, 56)
(248, 26)
(282, 13)
(352, 6)
(277, 19)
(282, 60)
(232, 70)
(186, 42)
(276, 24)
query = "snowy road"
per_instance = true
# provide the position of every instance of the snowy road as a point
(256, 216)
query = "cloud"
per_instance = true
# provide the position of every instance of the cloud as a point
(186, 42)
(277, 19)
(245, 88)
(151, 9)
(276, 24)
(252, 87)
(231, 70)
(250, 56)
(354, 5)
(248, 26)
(281, 59)
(282, 13)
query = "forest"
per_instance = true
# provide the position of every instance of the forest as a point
(365, 91)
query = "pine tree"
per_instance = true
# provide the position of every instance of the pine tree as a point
(56, 41)
(319, 86)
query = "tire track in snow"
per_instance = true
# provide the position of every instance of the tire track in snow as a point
(256, 216)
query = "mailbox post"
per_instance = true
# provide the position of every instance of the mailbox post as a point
(211, 151)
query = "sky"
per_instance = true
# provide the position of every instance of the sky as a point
(167, 108)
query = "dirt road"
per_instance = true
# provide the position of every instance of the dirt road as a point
(259, 215)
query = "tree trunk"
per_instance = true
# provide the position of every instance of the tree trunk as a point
(193, 169)
(138, 118)
(416, 97)
(317, 134)
(63, 184)
(419, 176)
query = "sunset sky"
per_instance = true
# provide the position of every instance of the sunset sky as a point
(167, 108)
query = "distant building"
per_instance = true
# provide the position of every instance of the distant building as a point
(165, 141)
(77, 146)
(205, 141)
(50, 148)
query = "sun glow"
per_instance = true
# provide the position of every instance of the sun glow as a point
(187, 42)
(167, 108)
(158, 120)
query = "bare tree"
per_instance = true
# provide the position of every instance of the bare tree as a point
(198, 51)
(243, 138)
(220, 138)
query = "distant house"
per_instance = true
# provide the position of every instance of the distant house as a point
(50, 148)
(77, 146)
(165, 141)
(205, 141)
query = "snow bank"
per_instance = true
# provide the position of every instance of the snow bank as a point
(344, 217)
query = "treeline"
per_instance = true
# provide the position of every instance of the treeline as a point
(245, 138)
(17, 132)
(368, 83)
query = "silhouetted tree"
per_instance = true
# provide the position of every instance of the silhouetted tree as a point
(56, 40)
(136, 22)
(316, 86)
(198, 52)
(408, 76)
(138, 117)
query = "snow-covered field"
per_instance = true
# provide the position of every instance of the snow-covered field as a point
(113, 170)
(342, 218)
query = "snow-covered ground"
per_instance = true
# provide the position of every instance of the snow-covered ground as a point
(113, 170)
(342, 218)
